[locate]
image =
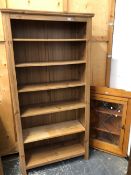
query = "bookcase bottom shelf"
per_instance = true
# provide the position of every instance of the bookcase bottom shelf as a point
(40, 156)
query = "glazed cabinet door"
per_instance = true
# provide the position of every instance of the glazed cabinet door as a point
(107, 123)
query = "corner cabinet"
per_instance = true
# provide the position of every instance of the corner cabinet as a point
(48, 58)
(110, 120)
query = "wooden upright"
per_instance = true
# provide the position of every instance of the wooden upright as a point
(48, 59)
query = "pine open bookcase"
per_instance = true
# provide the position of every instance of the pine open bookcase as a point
(48, 58)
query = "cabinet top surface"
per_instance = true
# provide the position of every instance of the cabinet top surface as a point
(32, 12)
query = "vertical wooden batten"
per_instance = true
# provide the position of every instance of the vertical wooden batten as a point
(112, 4)
(65, 5)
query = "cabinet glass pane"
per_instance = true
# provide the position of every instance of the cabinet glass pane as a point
(106, 121)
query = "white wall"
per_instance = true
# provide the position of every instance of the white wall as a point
(121, 61)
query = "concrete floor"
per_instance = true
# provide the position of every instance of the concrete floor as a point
(99, 164)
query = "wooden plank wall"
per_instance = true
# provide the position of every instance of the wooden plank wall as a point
(101, 48)
(102, 36)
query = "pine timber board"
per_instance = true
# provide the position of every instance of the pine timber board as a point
(104, 11)
(56, 63)
(49, 86)
(46, 40)
(2, 4)
(99, 8)
(112, 6)
(7, 125)
(43, 156)
(51, 131)
(1, 29)
(42, 110)
(98, 63)
(41, 5)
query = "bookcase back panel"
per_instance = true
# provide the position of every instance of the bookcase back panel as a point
(51, 97)
(48, 29)
(52, 118)
(26, 52)
(34, 75)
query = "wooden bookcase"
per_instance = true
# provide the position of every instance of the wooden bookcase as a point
(100, 53)
(49, 66)
(110, 120)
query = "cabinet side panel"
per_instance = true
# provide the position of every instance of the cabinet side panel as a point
(7, 124)
(127, 129)
(13, 86)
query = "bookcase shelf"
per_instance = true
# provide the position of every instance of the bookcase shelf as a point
(49, 86)
(42, 156)
(47, 40)
(34, 110)
(50, 74)
(52, 131)
(56, 63)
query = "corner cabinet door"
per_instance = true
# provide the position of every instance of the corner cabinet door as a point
(108, 115)
(43, 5)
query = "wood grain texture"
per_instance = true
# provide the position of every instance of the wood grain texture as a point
(49, 40)
(57, 63)
(73, 101)
(98, 63)
(13, 86)
(41, 5)
(121, 97)
(43, 156)
(127, 128)
(52, 131)
(49, 86)
(99, 8)
(2, 4)
(111, 92)
(1, 29)
(112, 4)
(42, 110)
(7, 125)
